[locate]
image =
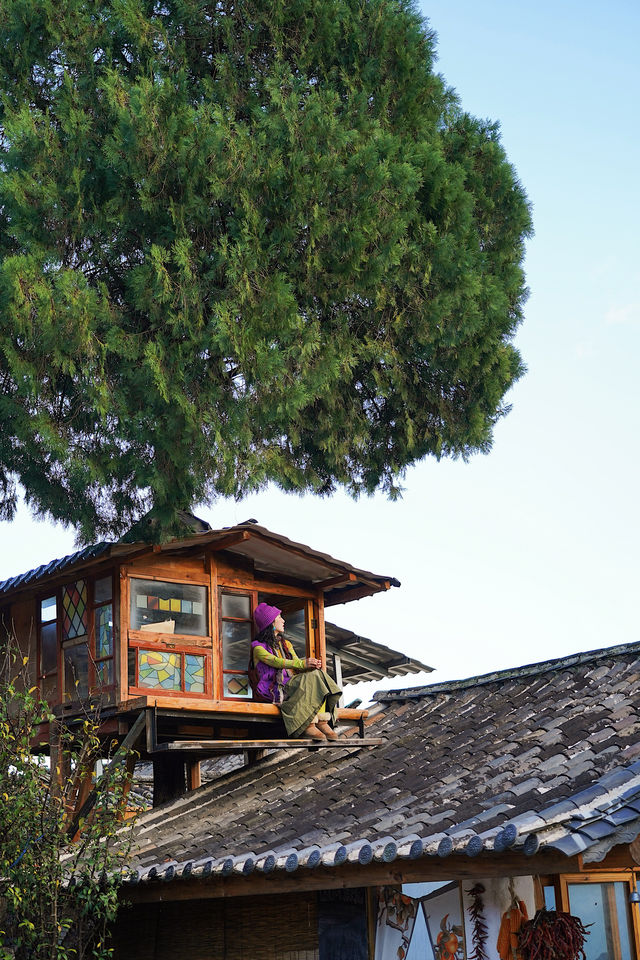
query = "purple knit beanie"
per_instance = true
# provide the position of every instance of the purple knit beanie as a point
(264, 615)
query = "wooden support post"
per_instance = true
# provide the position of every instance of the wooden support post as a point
(59, 764)
(169, 780)
(119, 756)
(337, 671)
(194, 775)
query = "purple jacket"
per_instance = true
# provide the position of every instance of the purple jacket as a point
(273, 677)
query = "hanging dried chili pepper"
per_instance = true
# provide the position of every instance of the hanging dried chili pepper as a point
(553, 935)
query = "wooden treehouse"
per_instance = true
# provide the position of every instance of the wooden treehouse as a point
(157, 639)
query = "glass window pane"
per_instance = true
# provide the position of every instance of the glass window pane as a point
(48, 610)
(235, 606)
(48, 648)
(159, 669)
(102, 590)
(104, 673)
(236, 685)
(104, 631)
(194, 673)
(296, 631)
(155, 602)
(74, 610)
(49, 688)
(76, 672)
(236, 645)
(604, 905)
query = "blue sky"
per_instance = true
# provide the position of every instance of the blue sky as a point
(530, 552)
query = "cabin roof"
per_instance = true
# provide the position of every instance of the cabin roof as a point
(540, 757)
(271, 553)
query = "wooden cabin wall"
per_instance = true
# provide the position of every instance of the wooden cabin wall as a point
(19, 623)
(217, 571)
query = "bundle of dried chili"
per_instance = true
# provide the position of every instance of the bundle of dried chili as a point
(553, 936)
(512, 920)
(479, 932)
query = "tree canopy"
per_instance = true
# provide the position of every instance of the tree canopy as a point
(242, 242)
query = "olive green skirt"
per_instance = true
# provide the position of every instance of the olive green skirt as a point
(304, 695)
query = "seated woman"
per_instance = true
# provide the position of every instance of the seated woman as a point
(307, 696)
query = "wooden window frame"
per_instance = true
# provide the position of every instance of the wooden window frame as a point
(235, 591)
(311, 619)
(40, 676)
(89, 638)
(629, 877)
(165, 643)
(178, 643)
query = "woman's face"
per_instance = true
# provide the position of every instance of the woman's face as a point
(278, 624)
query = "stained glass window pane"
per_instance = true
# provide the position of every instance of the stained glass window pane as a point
(159, 669)
(156, 602)
(236, 685)
(74, 610)
(236, 645)
(48, 648)
(193, 673)
(102, 590)
(48, 610)
(104, 631)
(76, 672)
(104, 673)
(235, 606)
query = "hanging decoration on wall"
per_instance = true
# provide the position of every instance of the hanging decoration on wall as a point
(396, 919)
(479, 931)
(508, 946)
(553, 935)
(443, 912)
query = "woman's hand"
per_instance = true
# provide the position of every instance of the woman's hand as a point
(312, 663)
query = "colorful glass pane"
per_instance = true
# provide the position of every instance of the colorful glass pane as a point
(236, 685)
(193, 673)
(104, 673)
(159, 669)
(74, 610)
(104, 631)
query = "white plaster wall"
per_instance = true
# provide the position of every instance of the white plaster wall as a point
(496, 899)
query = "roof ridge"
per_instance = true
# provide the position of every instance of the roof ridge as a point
(525, 670)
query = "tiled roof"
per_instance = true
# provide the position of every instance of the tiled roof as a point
(545, 756)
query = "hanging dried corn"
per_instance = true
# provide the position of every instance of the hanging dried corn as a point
(512, 920)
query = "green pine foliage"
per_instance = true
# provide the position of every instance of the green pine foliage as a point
(242, 241)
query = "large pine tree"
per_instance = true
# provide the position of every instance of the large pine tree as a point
(242, 241)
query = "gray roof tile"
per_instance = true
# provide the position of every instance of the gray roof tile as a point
(467, 758)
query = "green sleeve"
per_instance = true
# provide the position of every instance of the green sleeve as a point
(279, 663)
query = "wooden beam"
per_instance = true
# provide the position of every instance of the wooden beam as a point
(336, 581)
(215, 709)
(460, 867)
(237, 746)
(222, 544)
(119, 756)
(355, 594)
